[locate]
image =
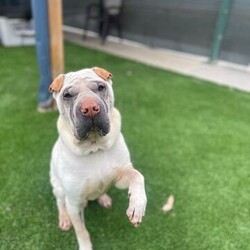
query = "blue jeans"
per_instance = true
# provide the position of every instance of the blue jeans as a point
(40, 15)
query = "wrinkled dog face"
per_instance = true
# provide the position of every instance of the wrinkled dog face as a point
(86, 100)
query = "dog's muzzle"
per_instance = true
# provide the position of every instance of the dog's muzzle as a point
(91, 117)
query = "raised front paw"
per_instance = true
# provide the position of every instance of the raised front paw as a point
(136, 209)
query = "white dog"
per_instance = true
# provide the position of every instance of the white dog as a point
(90, 153)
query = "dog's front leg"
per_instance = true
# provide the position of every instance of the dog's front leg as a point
(134, 181)
(75, 212)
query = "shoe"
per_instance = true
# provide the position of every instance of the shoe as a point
(48, 107)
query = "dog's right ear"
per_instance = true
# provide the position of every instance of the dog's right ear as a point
(57, 84)
(103, 73)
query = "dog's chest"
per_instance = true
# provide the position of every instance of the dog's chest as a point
(88, 176)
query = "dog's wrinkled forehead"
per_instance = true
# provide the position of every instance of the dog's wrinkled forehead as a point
(83, 76)
(80, 77)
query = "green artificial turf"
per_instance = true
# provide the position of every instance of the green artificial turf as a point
(188, 137)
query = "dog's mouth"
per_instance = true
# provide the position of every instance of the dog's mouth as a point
(86, 127)
(93, 131)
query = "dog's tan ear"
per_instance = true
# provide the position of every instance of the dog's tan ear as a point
(57, 84)
(103, 73)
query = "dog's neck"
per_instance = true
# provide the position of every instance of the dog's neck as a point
(95, 141)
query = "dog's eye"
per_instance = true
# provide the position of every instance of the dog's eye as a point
(67, 94)
(101, 87)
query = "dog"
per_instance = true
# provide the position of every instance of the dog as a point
(90, 153)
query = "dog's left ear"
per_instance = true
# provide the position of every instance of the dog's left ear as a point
(57, 84)
(103, 73)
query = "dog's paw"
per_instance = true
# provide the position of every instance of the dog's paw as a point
(64, 221)
(86, 247)
(136, 209)
(105, 201)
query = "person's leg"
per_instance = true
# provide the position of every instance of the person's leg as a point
(40, 15)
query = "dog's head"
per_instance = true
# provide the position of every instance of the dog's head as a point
(85, 100)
